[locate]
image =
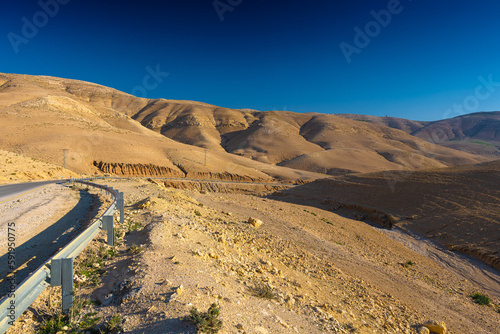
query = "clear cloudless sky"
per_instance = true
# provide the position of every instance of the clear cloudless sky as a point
(269, 54)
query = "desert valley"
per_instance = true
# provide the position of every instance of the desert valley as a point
(289, 222)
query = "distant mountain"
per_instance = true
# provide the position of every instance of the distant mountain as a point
(109, 131)
(315, 142)
(477, 133)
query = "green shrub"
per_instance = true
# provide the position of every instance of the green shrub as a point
(480, 299)
(263, 291)
(115, 325)
(207, 322)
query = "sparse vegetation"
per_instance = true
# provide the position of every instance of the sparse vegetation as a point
(198, 213)
(480, 299)
(207, 322)
(408, 264)
(115, 324)
(92, 265)
(263, 291)
(326, 221)
(134, 249)
(77, 321)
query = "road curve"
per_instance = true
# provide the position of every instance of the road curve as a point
(11, 191)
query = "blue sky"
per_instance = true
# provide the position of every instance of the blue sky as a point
(422, 59)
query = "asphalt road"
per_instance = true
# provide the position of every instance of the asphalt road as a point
(11, 191)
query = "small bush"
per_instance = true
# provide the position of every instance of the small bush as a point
(263, 291)
(79, 320)
(207, 322)
(408, 264)
(198, 213)
(115, 325)
(480, 299)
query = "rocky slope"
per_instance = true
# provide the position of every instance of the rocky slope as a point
(304, 270)
(457, 207)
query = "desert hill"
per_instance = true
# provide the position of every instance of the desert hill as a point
(109, 131)
(41, 116)
(457, 207)
(476, 133)
(16, 167)
(315, 142)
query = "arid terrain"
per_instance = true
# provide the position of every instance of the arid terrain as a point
(17, 168)
(108, 131)
(307, 271)
(476, 133)
(359, 224)
(457, 207)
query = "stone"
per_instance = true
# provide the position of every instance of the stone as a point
(179, 290)
(423, 330)
(436, 327)
(261, 330)
(255, 222)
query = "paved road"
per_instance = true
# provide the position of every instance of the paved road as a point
(11, 191)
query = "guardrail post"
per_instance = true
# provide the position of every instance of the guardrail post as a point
(67, 284)
(108, 225)
(121, 206)
(55, 272)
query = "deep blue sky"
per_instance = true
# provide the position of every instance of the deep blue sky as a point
(270, 54)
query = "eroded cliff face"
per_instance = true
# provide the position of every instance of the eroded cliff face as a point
(480, 253)
(222, 187)
(125, 169)
(225, 176)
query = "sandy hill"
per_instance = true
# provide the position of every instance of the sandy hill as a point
(42, 116)
(477, 133)
(457, 207)
(315, 142)
(16, 167)
(105, 130)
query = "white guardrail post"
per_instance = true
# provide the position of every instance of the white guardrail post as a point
(58, 270)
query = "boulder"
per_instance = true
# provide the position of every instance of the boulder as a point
(436, 327)
(255, 222)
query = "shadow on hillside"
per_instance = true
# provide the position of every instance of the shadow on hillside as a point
(306, 195)
(34, 252)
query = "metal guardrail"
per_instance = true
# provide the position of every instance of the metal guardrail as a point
(58, 270)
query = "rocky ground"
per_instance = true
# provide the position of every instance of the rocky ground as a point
(293, 269)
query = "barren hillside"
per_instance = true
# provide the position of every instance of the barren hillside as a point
(457, 207)
(42, 116)
(476, 133)
(315, 142)
(108, 131)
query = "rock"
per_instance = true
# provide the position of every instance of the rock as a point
(423, 330)
(255, 222)
(64, 328)
(436, 327)
(261, 330)
(239, 326)
(179, 290)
